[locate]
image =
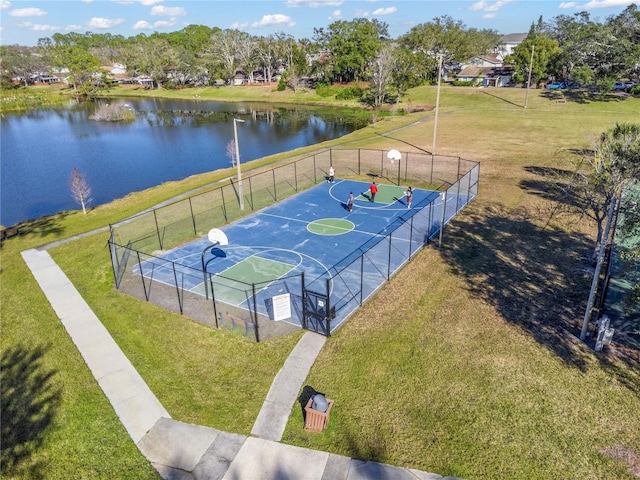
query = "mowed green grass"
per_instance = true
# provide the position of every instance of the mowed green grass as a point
(465, 364)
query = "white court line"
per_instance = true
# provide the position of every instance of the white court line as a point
(327, 218)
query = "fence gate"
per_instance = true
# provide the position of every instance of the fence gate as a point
(316, 312)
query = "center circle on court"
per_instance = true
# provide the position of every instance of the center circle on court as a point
(330, 226)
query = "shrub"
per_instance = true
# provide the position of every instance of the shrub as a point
(350, 93)
(114, 113)
(462, 83)
(325, 90)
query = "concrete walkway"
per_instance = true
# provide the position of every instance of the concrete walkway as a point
(181, 451)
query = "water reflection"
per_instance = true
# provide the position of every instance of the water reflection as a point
(168, 140)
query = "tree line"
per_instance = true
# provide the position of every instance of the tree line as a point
(361, 50)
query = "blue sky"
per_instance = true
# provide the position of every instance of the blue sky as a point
(23, 22)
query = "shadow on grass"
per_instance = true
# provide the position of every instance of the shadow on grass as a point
(30, 401)
(536, 277)
(44, 226)
(521, 105)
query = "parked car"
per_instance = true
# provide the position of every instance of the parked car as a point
(555, 85)
(619, 86)
(630, 84)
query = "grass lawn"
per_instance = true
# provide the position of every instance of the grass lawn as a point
(466, 363)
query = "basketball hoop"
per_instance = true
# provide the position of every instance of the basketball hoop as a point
(394, 155)
(217, 237)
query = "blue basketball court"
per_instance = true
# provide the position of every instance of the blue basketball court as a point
(309, 241)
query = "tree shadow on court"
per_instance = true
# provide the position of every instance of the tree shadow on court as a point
(30, 401)
(536, 276)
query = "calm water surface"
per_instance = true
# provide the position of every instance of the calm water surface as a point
(169, 140)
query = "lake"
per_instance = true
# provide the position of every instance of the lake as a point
(168, 140)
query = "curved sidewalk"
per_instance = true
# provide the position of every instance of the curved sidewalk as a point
(181, 451)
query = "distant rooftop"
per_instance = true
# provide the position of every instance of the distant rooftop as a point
(513, 37)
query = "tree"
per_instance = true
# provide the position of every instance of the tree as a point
(449, 38)
(352, 46)
(601, 52)
(382, 74)
(545, 52)
(601, 174)
(231, 152)
(19, 62)
(80, 189)
(409, 70)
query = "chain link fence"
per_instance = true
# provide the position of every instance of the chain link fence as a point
(138, 243)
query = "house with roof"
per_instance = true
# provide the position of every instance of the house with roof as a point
(489, 70)
(509, 42)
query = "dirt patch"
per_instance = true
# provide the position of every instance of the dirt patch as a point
(626, 455)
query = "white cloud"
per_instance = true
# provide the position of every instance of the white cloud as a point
(27, 12)
(273, 20)
(568, 5)
(489, 7)
(489, 15)
(168, 11)
(73, 28)
(239, 25)
(4, 4)
(100, 22)
(361, 13)
(142, 25)
(85, 1)
(164, 24)
(313, 3)
(337, 14)
(39, 27)
(385, 11)
(145, 3)
(160, 24)
(601, 4)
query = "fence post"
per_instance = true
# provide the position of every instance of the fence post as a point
(213, 300)
(255, 313)
(389, 258)
(193, 218)
(155, 219)
(359, 160)
(329, 312)
(144, 286)
(175, 279)
(361, 278)
(114, 260)
(444, 214)
(295, 174)
(275, 192)
(251, 194)
(224, 205)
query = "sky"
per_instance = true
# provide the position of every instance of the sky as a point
(23, 22)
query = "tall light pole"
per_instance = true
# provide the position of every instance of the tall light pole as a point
(435, 123)
(526, 95)
(235, 135)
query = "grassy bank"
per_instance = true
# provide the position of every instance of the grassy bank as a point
(465, 364)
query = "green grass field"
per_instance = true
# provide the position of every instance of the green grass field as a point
(466, 363)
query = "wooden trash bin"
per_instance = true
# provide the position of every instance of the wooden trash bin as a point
(316, 421)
